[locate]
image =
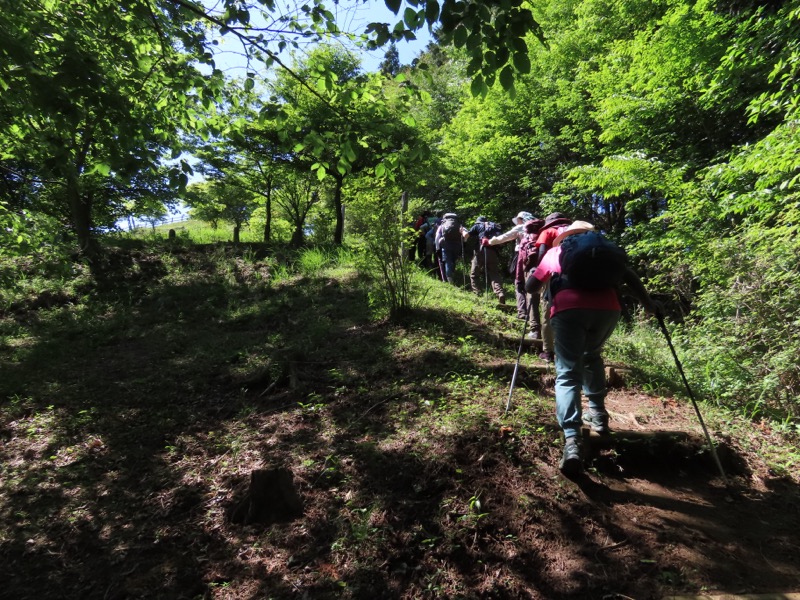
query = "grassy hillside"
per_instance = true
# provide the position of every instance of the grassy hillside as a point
(135, 409)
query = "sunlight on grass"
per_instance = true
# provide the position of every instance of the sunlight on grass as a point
(312, 261)
(198, 232)
(199, 365)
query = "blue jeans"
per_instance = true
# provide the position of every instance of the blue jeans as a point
(579, 337)
(451, 251)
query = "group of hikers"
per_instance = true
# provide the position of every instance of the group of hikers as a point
(567, 281)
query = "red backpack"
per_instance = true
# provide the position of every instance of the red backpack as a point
(527, 256)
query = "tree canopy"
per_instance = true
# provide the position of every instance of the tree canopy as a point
(672, 125)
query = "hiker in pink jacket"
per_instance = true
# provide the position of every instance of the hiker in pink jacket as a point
(582, 320)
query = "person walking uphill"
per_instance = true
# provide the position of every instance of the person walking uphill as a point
(554, 224)
(487, 259)
(450, 241)
(516, 234)
(584, 313)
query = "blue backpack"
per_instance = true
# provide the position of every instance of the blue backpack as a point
(590, 261)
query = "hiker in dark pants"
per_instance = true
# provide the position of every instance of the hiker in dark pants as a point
(430, 247)
(582, 321)
(486, 260)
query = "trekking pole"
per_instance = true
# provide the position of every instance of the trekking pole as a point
(486, 268)
(516, 366)
(663, 327)
(463, 263)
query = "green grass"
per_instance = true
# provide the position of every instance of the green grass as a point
(198, 232)
(134, 409)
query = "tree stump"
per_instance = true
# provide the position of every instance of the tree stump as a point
(272, 498)
(615, 377)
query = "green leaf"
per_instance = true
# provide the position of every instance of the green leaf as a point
(474, 42)
(321, 173)
(103, 169)
(349, 153)
(410, 18)
(522, 62)
(477, 85)
(460, 36)
(380, 170)
(431, 11)
(393, 5)
(507, 77)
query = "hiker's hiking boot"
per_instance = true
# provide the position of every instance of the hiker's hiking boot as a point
(547, 356)
(597, 420)
(501, 299)
(571, 462)
(535, 333)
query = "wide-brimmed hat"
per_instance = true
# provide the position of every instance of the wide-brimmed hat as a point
(521, 217)
(534, 225)
(450, 216)
(576, 227)
(555, 219)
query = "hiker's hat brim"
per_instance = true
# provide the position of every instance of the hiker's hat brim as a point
(521, 217)
(556, 219)
(576, 227)
(560, 222)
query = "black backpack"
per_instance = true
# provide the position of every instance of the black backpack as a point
(490, 230)
(451, 229)
(590, 261)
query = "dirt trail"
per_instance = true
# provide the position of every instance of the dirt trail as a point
(118, 480)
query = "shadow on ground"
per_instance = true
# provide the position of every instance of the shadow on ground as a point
(129, 431)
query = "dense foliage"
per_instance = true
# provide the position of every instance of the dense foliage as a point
(672, 125)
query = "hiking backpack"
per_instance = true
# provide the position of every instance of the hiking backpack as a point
(451, 229)
(590, 261)
(527, 255)
(490, 230)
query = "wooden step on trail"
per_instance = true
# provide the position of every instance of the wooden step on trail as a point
(652, 439)
(513, 340)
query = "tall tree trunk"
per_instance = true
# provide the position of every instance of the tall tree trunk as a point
(80, 203)
(403, 220)
(268, 210)
(297, 236)
(81, 212)
(338, 233)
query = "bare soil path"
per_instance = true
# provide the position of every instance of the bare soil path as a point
(123, 459)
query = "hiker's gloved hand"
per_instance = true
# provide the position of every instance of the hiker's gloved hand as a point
(655, 308)
(520, 286)
(532, 285)
(484, 242)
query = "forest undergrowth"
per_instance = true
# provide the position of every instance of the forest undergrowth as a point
(135, 409)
